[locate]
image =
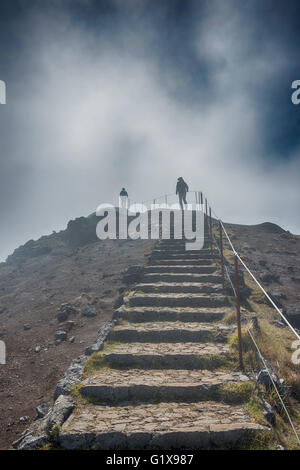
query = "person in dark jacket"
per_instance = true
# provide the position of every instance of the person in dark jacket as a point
(181, 189)
(123, 199)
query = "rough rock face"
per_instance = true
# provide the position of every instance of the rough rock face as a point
(44, 430)
(89, 311)
(101, 337)
(71, 377)
(292, 313)
(81, 231)
(61, 410)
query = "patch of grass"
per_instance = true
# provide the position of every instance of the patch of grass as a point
(255, 410)
(263, 440)
(217, 361)
(54, 433)
(258, 296)
(76, 391)
(97, 360)
(235, 393)
(94, 362)
(251, 361)
(247, 343)
(230, 318)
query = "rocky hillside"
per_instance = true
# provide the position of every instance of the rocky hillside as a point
(67, 267)
(274, 257)
(73, 267)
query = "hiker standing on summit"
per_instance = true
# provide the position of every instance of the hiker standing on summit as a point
(123, 200)
(181, 189)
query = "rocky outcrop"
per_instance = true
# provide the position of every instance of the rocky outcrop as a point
(72, 376)
(81, 231)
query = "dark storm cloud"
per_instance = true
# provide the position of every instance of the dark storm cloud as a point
(105, 94)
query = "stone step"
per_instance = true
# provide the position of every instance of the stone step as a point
(173, 332)
(176, 300)
(201, 425)
(110, 386)
(182, 262)
(161, 253)
(165, 355)
(181, 277)
(181, 269)
(177, 287)
(182, 247)
(182, 314)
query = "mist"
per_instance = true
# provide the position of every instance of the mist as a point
(133, 98)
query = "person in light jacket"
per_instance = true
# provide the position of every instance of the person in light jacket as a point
(123, 200)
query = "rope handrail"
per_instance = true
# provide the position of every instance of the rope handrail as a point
(163, 196)
(254, 278)
(241, 261)
(226, 269)
(248, 330)
(274, 385)
(258, 283)
(236, 254)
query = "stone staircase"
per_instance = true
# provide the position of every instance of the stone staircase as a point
(166, 378)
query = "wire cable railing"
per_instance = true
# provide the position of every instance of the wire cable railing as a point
(237, 258)
(194, 197)
(201, 203)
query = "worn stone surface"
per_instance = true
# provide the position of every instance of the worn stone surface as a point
(179, 287)
(162, 349)
(181, 260)
(162, 425)
(171, 332)
(162, 276)
(181, 269)
(115, 386)
(167, 355)
(176, 300)
(170, 314)
(164, 378)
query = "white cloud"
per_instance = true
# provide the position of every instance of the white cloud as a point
(99, 117)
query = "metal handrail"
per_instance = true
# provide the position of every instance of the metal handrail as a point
(236, 293)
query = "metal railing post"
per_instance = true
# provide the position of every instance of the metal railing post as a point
(238, 311)
(222, 257)
(205, 216)
(210, 230)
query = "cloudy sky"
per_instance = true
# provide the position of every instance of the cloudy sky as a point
(109, 93)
